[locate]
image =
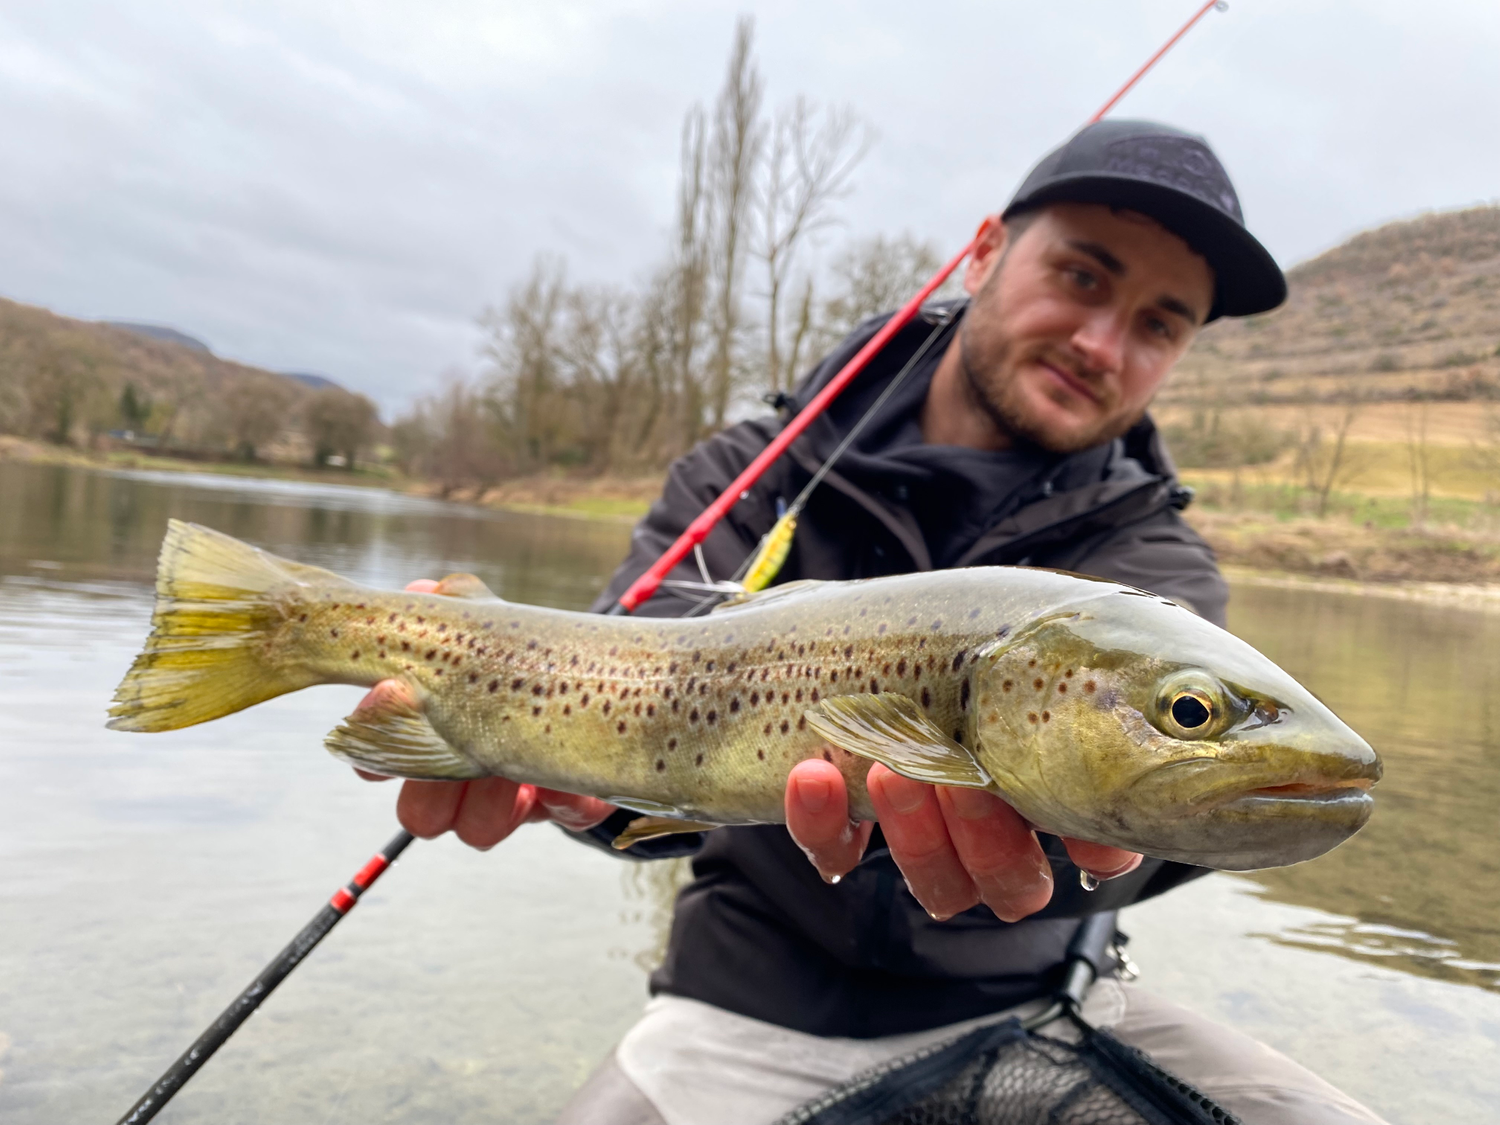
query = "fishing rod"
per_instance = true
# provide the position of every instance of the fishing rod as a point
(776, 544)
(759, 571)
(244, 1005)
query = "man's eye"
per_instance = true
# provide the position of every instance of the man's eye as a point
(1083, 279)
(1159, 327)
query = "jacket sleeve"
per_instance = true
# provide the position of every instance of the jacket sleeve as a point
(1164, 555)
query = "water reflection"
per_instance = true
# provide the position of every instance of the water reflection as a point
(1422, 683)
(506, 976)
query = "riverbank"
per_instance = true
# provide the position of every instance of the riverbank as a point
(1434, 562)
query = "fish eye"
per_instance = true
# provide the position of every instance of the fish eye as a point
(1192, 705)
(1192, 710)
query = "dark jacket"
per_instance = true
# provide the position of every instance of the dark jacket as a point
(757, 931)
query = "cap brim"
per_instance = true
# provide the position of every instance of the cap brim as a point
(1246, 278)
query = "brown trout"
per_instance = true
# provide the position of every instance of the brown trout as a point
(1096, 710)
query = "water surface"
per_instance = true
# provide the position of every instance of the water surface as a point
(145, 879)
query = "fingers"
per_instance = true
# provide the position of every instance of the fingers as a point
(920, 843)
(481, 813)
(572, 811)
(1100, 860)
(423, 586)
(999, 851)
(817, 815)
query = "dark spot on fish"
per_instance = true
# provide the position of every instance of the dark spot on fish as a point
(693, 715)
(734, 705)
(567, 708)
(785, 726)
(637, 708)
(1031, 716)
(431, 653)
(885, 670)
(562, 688)
(530, 645)
(709, 667)
(697, 656)
(574, 662)
(761, 754)
(1037, 683)
(614, 650)
(1069, 673)
(536, 689)
(963, 696)
(302, 618)
(535, 711)
(1007, 685)
(958, 662)
(584, 702)
(443, 627)
(382, 654)
(900, 667)
(676, 703)
(848, 651)
(620, 726)
(692, 682)
(333, 632)
(494, 686)
(938, 624)
(391, 618)
(926, 698)
(827, 757)
(802, 725)
(958, 735)
(1031, 664)
(672, 668)
(786, 697)
(814, 695)
(766, 731)
(698, 761)
(671, 744)
(606, 707)
(1046, 716)
(421, 621)
(354, 655)
(650, 710)
(1088, 686)
(666, 693)
(712, 717)
(881, 629)
(380, 640)
(473, 677)
(799, 695)
(833, 677)
(874, 685)
(1062, 689)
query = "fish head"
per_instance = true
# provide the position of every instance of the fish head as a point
(1129, 720)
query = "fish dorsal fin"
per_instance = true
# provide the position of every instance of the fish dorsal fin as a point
(892, 730)
(761, 597)
(465, 586)
(393, 737)
(653, 827)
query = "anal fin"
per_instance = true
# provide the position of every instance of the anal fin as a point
(892, 730)
(392, 736)
(653, 827)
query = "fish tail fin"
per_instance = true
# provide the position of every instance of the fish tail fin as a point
(218, 604)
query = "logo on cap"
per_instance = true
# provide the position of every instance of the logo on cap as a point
(1181, 162)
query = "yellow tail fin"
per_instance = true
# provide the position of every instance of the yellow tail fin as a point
(218, 601)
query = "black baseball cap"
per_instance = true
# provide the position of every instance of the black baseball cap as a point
(1174, 178)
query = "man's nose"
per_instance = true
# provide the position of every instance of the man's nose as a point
(1100, 339)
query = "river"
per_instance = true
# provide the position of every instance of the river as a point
(145, 880)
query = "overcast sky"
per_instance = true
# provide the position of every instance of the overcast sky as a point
(341, 188)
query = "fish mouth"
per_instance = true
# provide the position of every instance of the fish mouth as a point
(1313, 790)
(1347, 799)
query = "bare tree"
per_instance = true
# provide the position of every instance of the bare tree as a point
(255, 409)
(1324, 466)
(1419, 461)
(734, 154)
(338, 423)
(808, 167)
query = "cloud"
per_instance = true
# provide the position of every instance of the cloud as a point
(343, 188)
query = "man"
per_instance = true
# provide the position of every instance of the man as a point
(800, 956)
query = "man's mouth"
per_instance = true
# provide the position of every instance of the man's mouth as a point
(1068, 379)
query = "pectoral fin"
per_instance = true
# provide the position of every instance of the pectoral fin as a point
(892, 730)
(652, 827)
(465, 586)
(392, 736)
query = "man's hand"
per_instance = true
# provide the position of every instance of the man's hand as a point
(483, 812)
(956, 847)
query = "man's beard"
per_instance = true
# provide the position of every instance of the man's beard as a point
(1007, 412)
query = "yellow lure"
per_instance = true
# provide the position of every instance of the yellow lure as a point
(772, 554)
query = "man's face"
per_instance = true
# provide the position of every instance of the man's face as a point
(1076, 320)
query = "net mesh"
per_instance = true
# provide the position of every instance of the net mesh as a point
(1003, 1074)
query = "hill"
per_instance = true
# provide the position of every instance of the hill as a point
(1408, 312)
(159, 332)
(89, 384)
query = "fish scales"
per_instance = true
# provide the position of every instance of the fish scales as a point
(704, 716)
(1097, 711)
